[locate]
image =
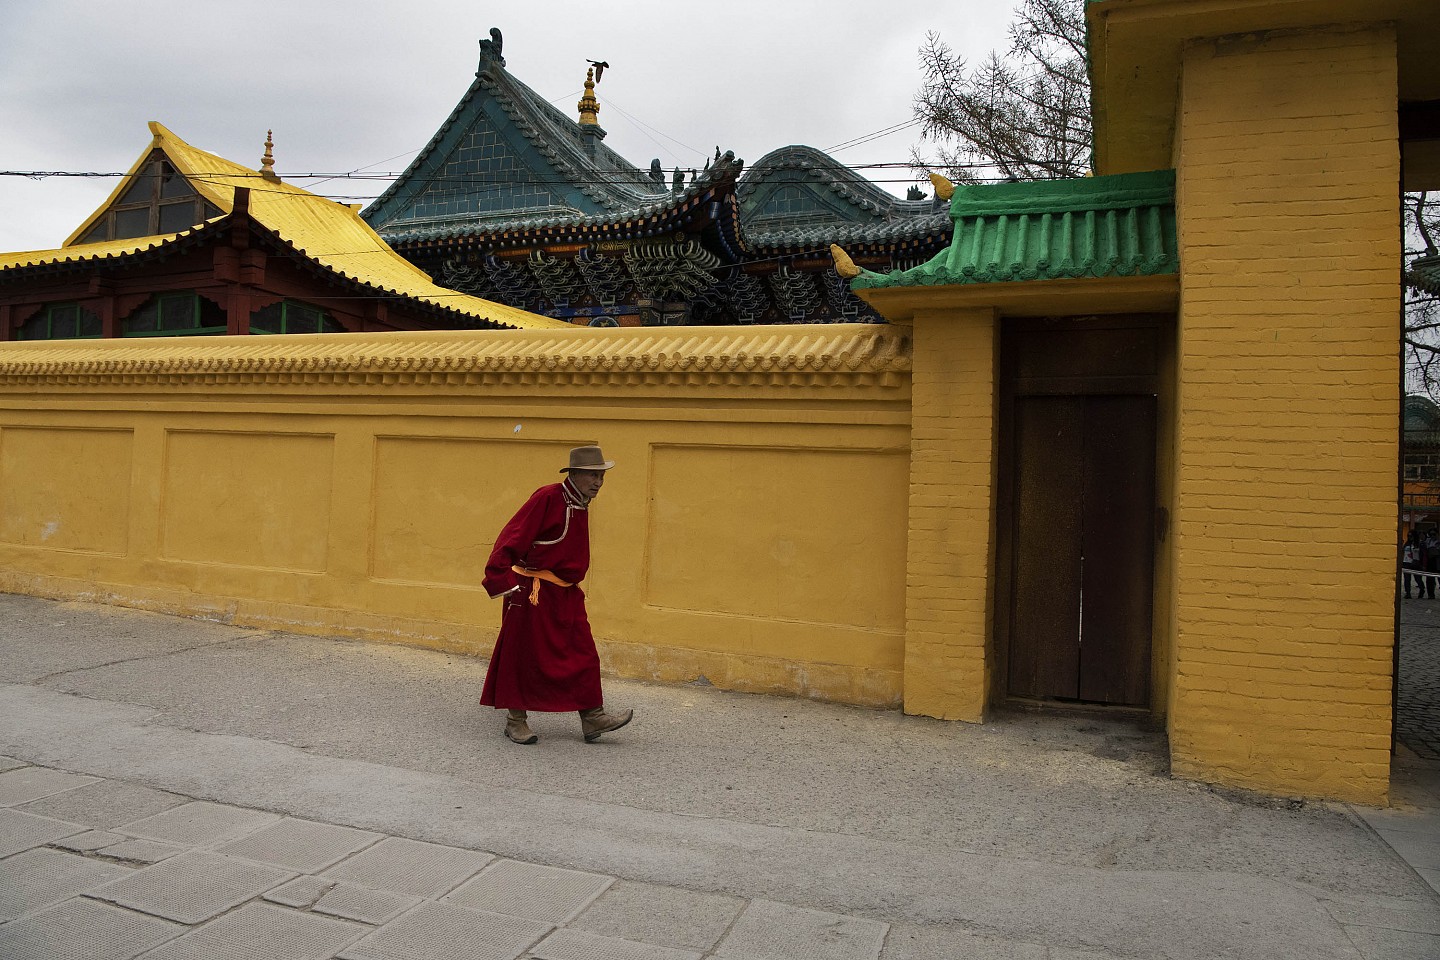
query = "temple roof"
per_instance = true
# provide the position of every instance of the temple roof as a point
(1121, 225)
(798, 196)
(1424, 273)
(506, 155)
(327, 233)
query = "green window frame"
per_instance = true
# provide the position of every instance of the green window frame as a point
(183, 313)
(61, 321)
(292, 316)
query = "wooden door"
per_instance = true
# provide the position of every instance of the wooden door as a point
(1082, 537)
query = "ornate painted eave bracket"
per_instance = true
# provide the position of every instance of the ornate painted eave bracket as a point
(847, 356)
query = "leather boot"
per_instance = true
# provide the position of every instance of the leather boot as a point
(517, 729)
(596, 721)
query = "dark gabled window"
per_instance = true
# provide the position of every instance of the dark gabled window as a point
(159, 200)
(180, 314)
(293, 316)
(60, 321)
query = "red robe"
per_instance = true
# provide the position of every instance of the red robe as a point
(545, 655)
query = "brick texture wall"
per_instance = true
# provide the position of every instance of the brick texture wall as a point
(1288, 381)
(951, 536)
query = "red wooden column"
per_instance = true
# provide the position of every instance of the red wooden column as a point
(103, 292)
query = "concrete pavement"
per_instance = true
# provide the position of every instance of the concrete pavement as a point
(716, 825)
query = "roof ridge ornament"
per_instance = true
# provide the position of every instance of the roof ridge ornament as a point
(490, 50)
(267, 162)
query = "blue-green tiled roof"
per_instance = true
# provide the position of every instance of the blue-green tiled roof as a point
(798, 196)
(1424, 273)
(505, 154)
(1121, 225)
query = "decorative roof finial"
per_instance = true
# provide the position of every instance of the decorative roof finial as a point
(267, 162)
(843, 264)
(589, 106)
(490, 50)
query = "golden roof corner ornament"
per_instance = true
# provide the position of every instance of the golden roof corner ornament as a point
(267, 162)
(843, 264)
(589, 106)
(944, 189)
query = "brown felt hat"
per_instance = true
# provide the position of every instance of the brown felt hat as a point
(587, 458)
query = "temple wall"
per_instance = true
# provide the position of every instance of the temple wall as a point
(753, 532)
(949, 597)
(1288, 393)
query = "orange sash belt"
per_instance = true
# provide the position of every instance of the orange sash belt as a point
(536, 576)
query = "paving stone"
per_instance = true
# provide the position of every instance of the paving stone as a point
(519, 889)
(301, 845)
(368, 906)
(662, 915)
(21, 831)
(104, 805)
(89, 840)
(200, 824)
(38, 878)
(82, 929)
(578, 945)
(775, 931)
(1378, 943)
(10, 763)
(913, 942)
(409, 866)
(192, 887)
(260, 931)
(1402, 821)
(142, 851)
(1417, 695)
(439, 931)
(1395, 914)
(32, 783)
(300, 892)
(1419, 850)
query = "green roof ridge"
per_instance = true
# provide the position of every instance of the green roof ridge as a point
(1120, 225)
(1115, 192)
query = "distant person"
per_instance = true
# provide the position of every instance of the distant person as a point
(1430, 560)
(545, 657)
(1410, 560)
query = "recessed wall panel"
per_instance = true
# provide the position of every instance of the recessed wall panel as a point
(440, 502)
(785, 534)
(248, 499)
(65, 489)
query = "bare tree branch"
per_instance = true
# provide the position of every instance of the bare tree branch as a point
(1023, 114)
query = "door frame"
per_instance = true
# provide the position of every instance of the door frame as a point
(1094, 372)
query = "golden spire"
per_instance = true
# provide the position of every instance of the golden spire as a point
(267, 162)
(589, 106)
(944, 189)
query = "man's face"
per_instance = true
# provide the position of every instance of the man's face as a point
(588, 482)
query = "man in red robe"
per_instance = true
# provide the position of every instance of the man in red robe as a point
(545, 655)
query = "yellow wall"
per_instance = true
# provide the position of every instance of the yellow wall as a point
(949, 595)
(1284, 508)
(753, 531)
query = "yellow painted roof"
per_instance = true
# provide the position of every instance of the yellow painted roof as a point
(332, 234)
(89, 251)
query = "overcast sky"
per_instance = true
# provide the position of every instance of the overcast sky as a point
(363, 84)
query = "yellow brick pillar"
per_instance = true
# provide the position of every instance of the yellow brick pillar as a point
(1287, 181)
(951, 517)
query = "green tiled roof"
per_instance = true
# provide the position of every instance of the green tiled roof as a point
(1424, 273)
(1116, 226)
